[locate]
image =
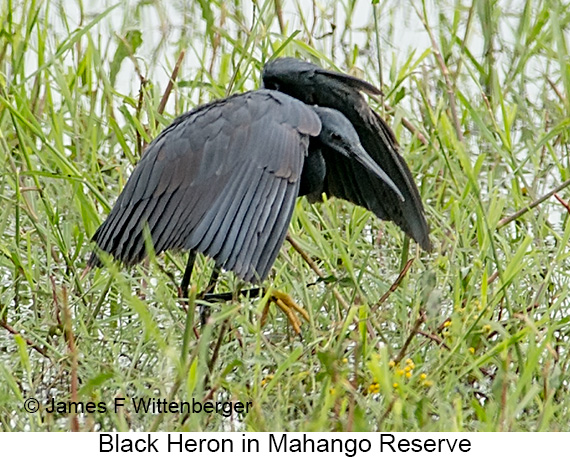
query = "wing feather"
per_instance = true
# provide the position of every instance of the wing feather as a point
(221, 179)
(277, 235)
(250, 251)
(249, 228)
(220, 217)
(264, 250)
(236, 220)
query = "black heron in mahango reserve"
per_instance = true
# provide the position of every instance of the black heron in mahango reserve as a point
(223, 178)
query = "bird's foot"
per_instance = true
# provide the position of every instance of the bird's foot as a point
(289, 307)
(284, 302)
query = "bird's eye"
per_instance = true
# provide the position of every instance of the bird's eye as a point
(335, 136)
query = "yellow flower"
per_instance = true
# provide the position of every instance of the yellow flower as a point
(374, 388)
(423, 376)
(391, 364)
(395, 385)
(472, 350)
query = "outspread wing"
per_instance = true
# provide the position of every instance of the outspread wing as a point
(345, 178)
(221, 179)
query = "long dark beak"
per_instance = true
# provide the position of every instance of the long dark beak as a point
(358, 152)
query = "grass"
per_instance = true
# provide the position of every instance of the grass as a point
(472, 337)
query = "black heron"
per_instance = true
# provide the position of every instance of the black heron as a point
(223, 178)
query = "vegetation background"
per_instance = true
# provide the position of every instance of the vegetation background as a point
(473, 336)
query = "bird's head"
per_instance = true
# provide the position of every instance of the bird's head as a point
(338, 134)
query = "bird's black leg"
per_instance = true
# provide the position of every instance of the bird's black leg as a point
(187, 274)
(205, 310)
(213, 280)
